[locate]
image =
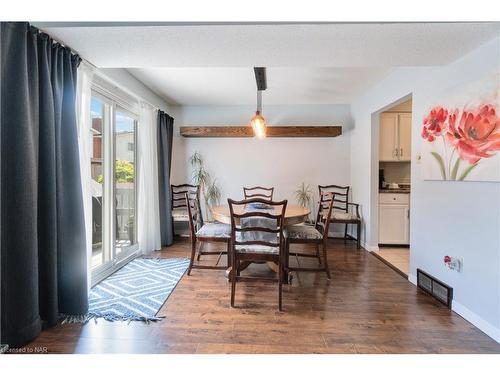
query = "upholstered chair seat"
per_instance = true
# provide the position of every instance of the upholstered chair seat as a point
(344, 216)
(214, 230)
(256, 249)
(304, 232)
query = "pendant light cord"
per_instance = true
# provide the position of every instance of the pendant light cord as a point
(259, 101)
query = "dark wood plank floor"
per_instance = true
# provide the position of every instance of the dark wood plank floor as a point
(366, 308)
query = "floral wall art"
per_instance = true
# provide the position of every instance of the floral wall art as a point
(461, 134)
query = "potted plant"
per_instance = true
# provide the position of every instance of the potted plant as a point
(304, 196)
(208, 187)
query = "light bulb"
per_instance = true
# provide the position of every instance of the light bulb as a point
(258, 123)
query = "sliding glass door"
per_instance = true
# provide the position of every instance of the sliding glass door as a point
(113, 186)
(125, 182)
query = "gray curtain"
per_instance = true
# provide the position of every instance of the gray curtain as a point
(165, 135)
(43, 256)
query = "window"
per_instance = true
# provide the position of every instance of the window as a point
(113, 180)
(125, 178)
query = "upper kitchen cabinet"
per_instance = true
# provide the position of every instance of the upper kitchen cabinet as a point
(395, 137)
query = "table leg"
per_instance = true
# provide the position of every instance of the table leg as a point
(243, 265)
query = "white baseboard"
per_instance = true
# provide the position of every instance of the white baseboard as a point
(476, 320)
(470, 316)
(368, 247)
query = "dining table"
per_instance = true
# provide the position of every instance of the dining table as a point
(294, 214)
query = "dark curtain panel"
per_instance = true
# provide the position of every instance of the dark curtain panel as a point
(165, 135)
(43, 255)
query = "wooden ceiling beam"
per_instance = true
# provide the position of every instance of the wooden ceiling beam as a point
(272, 131)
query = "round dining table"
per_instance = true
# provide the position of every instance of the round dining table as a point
(294, 214)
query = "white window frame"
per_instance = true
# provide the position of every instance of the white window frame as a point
(116, 103)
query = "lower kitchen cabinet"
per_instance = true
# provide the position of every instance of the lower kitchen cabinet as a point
(394, 219)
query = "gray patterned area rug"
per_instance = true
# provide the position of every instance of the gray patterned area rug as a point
(135, 292)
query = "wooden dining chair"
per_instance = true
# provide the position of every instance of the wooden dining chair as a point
(316, 234)
(344, 212)
(178, 202)
(257, 236)
(208, 232)
(258, 192)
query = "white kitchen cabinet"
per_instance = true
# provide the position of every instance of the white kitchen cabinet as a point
(404, 130)
(394, 219)
(395, 137)
(388, 136)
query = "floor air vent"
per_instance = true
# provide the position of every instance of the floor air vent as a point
(439, 290)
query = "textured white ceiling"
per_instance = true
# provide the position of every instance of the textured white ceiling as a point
(307, 63)
(235, 86)
(320, 45)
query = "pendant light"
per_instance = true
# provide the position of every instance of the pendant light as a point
(258, 122)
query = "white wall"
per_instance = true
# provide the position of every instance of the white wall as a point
(281, 162)
(455, 218)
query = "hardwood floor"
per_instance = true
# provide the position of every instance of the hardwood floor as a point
(398, 257)
(366, 308)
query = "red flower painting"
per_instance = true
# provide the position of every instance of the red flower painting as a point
(434, 123)
(472, 134)
(477, 134)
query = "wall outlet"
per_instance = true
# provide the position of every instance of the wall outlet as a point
(453, 263)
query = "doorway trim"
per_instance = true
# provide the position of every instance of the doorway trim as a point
(374, 159)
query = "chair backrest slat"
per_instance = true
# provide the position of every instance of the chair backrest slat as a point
(341, 196)
(259, 229)
(178, 198)
(254, 214)
(325, 208)
(178, 194)
(194, 213)
(276, 218)
(258, 192)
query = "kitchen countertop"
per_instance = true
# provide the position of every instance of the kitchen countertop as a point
(395, 191)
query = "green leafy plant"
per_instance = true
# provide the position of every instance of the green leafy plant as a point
(124, 172)
(304, 195)
(213, 193)
(201, 177)
(196, 160)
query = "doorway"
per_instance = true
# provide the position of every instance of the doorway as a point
(394, 185)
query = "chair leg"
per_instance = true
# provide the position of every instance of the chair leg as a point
(199, 251)
(191, 260)
(233, 278)
(285, 261)
(327, 269)
(228, 249)
(358, 227)
(317, 253)
(280, 285)
(345, 235)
